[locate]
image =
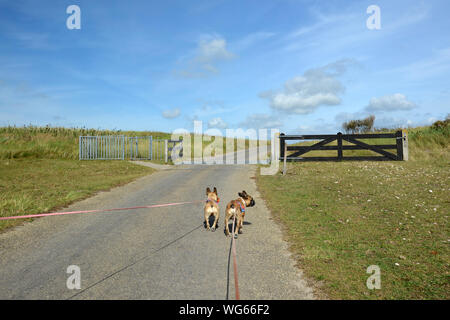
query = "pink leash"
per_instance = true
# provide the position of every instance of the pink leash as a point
(91, 211)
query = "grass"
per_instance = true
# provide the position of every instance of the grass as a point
(48, 142)
(29, 186)
(40, 171)
(342, 217)
(53, 142)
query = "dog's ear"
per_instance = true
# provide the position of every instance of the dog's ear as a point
(244, 194)
(240, 194)
(208, 190)
(215, 190)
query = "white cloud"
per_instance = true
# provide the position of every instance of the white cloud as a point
(217, 123)
(316, 87)
(261, 121)
(171, 113)
(390, 103)
(210, 51)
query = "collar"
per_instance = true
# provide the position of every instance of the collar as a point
(242, 202)
(211, 200)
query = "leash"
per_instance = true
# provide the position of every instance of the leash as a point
(95, 211)
(233, 249)
(233, 243)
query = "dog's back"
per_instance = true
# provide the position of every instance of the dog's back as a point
(236, 210)
(211, 208)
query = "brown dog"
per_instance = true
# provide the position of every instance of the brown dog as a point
(211, 208)
(236, 210)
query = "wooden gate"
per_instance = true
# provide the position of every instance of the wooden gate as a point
(399, 145)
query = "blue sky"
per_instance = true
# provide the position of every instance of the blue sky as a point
(300, 66)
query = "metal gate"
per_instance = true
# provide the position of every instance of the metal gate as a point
(123, 147)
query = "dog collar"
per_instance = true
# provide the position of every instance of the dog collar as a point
(210, 200)
(240, 204)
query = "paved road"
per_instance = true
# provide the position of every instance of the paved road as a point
(159, 253)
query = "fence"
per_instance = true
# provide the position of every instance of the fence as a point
(123, 147)
(400, 146)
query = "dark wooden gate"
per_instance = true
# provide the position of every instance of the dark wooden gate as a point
(399, 145)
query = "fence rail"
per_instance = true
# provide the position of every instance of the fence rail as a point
(400, 145)
(123, 148)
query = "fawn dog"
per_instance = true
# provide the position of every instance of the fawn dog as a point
(211, 208)
(236, 210)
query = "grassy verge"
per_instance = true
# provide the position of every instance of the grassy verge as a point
(62, 143)
(29, 186)
(340, 218)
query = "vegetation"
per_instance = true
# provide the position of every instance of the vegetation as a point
(62, 143)
(30, 186)
(342, 217)
(359, 126)
(40, 171)
(53, 142)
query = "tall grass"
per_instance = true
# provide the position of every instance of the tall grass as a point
(62, 143)
(429, 143)
(53, 142)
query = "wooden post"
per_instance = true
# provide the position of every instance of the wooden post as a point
(284, 158)
(282, 144)
(339, 143)
(399, 138)
(405, 144)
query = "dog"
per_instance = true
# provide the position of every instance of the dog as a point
(211, 208)
(236, 210)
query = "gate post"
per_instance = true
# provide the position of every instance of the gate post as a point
(282, 143)
(405, 145)
(284, 159)
(165, 151)
(150, 147)
(339, 143)
(399, 138)
(123, 147)
(137, 150)
(79, 148)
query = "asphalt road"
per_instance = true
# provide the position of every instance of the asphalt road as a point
(157, 253)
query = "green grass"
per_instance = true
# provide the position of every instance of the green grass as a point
(29, 186)
(62, 143)
(53, 142)
(341, 217)
(40, 170)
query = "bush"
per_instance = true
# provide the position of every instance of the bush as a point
(359, 126)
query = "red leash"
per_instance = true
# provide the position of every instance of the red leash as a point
(92, 211)
(233, 247)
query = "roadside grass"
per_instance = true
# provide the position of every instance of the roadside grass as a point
(30, 186)
(62, 143)
(53, 142)
(342, 217)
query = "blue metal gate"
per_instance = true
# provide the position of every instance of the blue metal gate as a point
(126, 148)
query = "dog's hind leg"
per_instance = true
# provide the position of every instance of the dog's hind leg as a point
(207, 221)
(216, 219)
(227, 230)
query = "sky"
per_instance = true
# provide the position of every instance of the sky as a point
(300, 66)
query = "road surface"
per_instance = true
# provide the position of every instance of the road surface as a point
(157, 253)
